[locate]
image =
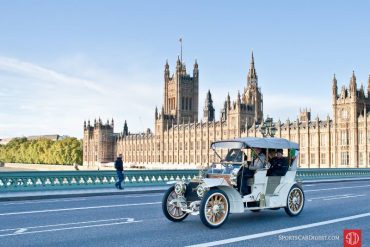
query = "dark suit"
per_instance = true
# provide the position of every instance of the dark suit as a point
(118, 164)
(279, 167)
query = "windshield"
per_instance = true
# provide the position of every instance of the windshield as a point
(229, 160)
(234, 155)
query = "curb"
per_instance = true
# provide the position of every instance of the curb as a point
(82, 194)
(323, 181)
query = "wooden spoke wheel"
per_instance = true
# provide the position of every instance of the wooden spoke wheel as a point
(214, 208)
(171, 210)
(295, 201)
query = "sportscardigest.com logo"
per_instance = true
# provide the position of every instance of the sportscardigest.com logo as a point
(352, 238)
(302, 237)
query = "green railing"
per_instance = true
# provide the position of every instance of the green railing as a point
(62, 180)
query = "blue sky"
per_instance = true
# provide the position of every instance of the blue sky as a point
(63, 62)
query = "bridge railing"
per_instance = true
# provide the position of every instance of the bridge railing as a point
(62, 180)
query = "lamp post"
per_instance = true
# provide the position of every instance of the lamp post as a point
(268, 129)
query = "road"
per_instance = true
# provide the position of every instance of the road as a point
(137, 220)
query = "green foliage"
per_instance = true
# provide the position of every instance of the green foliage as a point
(42, 151)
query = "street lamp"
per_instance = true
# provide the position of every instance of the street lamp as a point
(268, 129)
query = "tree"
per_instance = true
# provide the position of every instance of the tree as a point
(42, 151)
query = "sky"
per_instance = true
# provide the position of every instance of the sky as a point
(63, 62)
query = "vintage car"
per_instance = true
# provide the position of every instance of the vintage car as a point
(221, 189)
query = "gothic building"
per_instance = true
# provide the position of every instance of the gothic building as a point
(179, 138)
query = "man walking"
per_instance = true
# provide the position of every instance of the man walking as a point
(118, 164)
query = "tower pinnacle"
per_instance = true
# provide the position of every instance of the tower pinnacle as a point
(252, 74)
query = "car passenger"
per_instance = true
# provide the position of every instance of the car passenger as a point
(279, 165)
(257, 163)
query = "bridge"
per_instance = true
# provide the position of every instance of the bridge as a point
(336, 199)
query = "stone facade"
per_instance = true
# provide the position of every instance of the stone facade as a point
(178, 137)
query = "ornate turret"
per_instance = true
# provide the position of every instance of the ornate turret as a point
(353, 85)
(335, 88)
(195, 70)
(178, 64)
(209, 110)
(166, 70)
(252, 75)
(252, 95)
(125, 129)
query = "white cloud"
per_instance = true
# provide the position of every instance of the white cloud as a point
(39, 100)
(56, 100)
(35, 71)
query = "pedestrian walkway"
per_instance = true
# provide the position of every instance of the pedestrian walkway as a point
(47, 194)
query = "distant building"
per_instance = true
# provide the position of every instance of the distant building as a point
(178, 137)
(49, 137)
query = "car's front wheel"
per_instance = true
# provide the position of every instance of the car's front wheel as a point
(295, 201)
(171, 210)
(214, 208)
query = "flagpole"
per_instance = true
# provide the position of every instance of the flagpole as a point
(180, 49)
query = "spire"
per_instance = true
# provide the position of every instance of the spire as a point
(252, 75)
(85, 124)
(239, 98)
(209, 110)
(368, 84)
(352, 84)
(195, 70)
(156, 113)
(335, 87)
(353, 76)
(112, 123)
(125, 129)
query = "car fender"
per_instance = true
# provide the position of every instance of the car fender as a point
(282, 192)
(235, 199)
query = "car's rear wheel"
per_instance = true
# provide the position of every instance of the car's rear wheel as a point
(214, 208)
(295, 201)
(171, 210)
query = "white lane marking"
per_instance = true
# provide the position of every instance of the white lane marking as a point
(43, 201)
(70, 223)
(270, 233)
(323, 197)
(81, 208)
(338, 188)
(21, 230)
(344, 197)
(69, 228)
